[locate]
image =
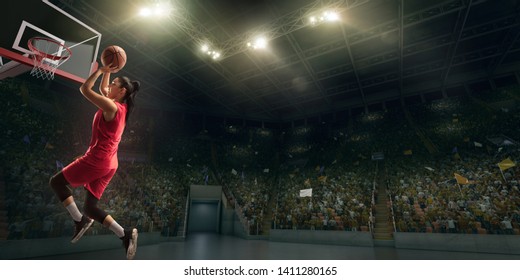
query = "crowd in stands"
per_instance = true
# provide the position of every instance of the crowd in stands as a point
(340, 200)
(426, 196)
(433, 201)
(263, 171)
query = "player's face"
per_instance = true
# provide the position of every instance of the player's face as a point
(115, 90)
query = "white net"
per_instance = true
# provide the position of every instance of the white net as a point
(47, 56)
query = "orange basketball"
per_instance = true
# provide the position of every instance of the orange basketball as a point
(114, 55)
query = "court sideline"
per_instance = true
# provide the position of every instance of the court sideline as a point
(209, 246)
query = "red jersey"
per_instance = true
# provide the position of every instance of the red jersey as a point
(102, 150)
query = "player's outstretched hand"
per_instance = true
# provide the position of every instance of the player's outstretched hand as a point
(108, 69)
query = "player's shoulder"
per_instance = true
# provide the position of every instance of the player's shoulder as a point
(120, 106)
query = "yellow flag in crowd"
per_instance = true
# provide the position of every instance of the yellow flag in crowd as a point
(506, 164)
(408, 152)
(461, 180)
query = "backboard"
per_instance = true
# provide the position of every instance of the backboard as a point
(24, 19)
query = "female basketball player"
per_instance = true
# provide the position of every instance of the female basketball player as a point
(97, 166)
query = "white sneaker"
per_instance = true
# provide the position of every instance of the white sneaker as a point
(130, 243)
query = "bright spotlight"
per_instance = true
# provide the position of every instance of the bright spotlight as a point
(331, 16)
(163, 9)
(327, 16)
(158, 10)
(210, 52)
(259, 43)
(145, 12)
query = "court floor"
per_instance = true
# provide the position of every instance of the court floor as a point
(208, 246)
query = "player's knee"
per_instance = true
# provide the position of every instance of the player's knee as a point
(58, 184)
(58, 180)
(53, 182)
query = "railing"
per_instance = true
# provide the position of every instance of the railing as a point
(228, 192)
(373, 201)
(240, 213)
(372, 204)
(186, 215)
(391, 209)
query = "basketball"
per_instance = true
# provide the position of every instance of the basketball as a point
(114, 55)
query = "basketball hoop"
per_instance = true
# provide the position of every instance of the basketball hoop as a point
(47, 56)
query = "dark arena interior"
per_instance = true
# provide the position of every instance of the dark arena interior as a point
(274, 130)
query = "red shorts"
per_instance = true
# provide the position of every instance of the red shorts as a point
(80, 173)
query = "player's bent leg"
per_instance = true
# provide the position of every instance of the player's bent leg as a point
(92, 210)
(82, 223)
(58, 184)
(80, 228)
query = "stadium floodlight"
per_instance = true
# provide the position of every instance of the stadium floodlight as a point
(158, 10)
(259, 43)
(215, 56)
(331, 16)
(145, 12)
(209, 51)
(327, 16)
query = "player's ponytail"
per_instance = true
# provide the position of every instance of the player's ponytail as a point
(132, 87)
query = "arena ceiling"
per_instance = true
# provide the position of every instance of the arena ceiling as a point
(379, 53)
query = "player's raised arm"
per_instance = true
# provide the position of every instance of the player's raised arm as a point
(102, 102)
(103, 86)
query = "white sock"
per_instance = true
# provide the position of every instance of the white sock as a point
(117, 229)
(74, 212)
